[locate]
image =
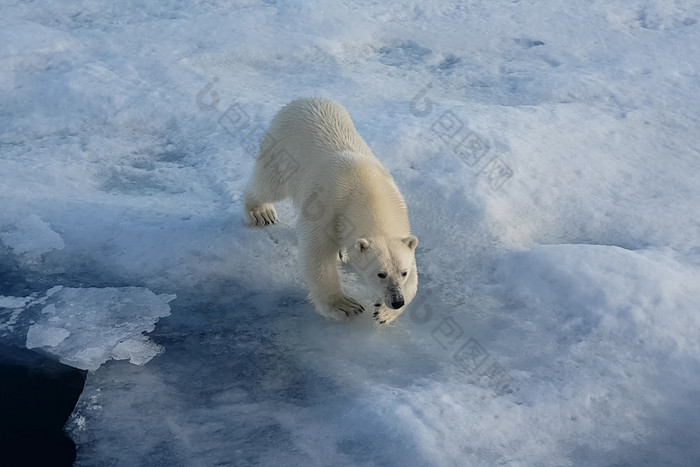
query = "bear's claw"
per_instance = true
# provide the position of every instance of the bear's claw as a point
(262, 215)
(384, 315)
(350, 307)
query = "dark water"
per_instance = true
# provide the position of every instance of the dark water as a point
(37, 395)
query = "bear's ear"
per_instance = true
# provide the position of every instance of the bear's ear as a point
(362, 244)
(411, 241)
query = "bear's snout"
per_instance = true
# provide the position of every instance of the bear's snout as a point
(397, 302)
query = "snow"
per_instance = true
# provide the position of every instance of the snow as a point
(31, 237)
(548, 155)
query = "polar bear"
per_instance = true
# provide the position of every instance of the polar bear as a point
(349, 208)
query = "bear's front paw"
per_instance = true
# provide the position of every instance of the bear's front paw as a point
(385, 315)
(348, 307)
(262, 215)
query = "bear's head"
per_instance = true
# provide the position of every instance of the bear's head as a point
(386, 265)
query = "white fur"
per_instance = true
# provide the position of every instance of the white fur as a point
(349, 207)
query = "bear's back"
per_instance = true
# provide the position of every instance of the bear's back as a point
(316, 127)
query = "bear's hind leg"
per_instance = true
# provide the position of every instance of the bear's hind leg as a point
(262, 190)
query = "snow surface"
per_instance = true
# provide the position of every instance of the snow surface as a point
(548, 153)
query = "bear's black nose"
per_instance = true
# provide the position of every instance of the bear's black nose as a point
(396, 304)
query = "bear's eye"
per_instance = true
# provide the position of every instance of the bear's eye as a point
(403, 274)
(381, 275)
